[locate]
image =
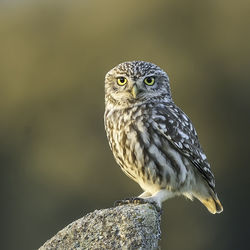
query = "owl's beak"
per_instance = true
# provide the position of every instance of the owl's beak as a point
(134, 91)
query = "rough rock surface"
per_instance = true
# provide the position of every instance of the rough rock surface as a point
(123, 227)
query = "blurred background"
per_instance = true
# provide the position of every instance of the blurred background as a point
(56, 164)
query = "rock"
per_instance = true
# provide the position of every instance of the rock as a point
(122, 227)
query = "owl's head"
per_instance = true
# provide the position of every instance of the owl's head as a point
(135, 82)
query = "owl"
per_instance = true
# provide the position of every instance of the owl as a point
(152, 139)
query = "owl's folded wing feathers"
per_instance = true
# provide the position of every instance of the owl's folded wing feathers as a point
(177, 128)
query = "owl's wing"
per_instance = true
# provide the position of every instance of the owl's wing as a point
(177, 128)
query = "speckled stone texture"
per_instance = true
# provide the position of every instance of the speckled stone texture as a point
(123, 227)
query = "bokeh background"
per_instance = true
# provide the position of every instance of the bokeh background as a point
(55, 161)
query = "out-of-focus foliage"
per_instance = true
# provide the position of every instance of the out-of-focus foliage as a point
(55, 161)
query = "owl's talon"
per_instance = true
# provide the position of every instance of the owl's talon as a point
(137, 201)
(118, 203)
(125, 201)
(122, 202)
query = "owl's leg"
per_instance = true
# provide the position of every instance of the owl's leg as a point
(145, 194)
(159, 197)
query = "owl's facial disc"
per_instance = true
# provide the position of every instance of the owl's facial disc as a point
(129, 87)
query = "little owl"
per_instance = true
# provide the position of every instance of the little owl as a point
(152, 139)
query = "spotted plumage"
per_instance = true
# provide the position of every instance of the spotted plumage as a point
(153, 140)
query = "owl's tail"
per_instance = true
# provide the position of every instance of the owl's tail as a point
(212, 203)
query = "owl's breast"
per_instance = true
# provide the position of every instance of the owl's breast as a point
(142, 152)
(127, 134)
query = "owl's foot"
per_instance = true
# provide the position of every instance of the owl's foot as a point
(131, 200)
(137, 201)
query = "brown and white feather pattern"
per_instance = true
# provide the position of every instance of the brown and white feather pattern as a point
(178, 129)
(152, 140)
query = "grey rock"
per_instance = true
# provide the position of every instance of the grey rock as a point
(122, 227)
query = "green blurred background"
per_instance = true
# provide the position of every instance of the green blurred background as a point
(55, 161)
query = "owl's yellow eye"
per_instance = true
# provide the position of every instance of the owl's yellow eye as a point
(121, 81)
(149, 80)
